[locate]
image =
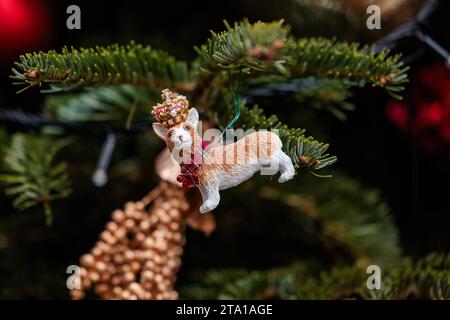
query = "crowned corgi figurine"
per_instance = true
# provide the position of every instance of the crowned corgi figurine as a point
(218, 166)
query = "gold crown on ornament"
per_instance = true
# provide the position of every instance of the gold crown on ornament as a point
(172, 110)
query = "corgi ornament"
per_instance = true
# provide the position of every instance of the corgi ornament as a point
(216, 166)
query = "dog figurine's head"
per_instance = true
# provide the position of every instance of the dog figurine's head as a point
(181, 136)
(176, 124)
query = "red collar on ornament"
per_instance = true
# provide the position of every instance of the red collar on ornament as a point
(189, 171)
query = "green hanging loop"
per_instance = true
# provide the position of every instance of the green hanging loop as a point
(236, 101)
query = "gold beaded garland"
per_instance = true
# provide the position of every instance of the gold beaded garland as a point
(138, 254)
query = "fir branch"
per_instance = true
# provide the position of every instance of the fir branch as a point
(267, 48)
(114, 64)
(311, 92)
(31, 175)
(338, 283)
(120, 103)
(323, 57)
(325, 94)
(261, 47)
(253, 46)
(351, 222)
(229, 284)
(423, 280)
(426, 279)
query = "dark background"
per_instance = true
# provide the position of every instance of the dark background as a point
(33, 257)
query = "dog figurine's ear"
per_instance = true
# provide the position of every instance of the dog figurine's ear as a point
(192, 117)
(160, 130)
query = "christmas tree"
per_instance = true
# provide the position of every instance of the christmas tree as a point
(311, 238)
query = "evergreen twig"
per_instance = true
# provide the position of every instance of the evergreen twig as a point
(421, 280)
(115, 64)
(31, 175)
(267, 48)
(119, 103)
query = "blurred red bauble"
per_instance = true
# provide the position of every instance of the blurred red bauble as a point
(430, 114)
(427, 117)
(24, 25)
(398, 114)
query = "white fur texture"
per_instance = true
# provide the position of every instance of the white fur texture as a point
(226, 166)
